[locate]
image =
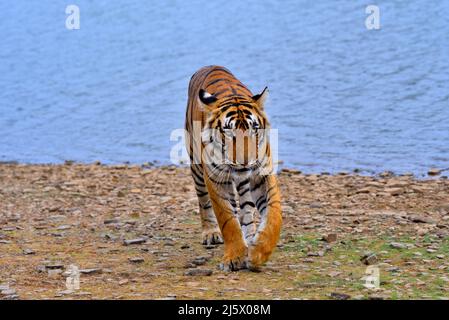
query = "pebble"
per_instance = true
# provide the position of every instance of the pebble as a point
(8, 292)
(64, 227)
(375, 297)
(91, 271)
(134, 241)
(392, 269)
(315, 205)
(137, 260)
(369, 259)
(394, 191)
(399, 245)
(386, 174)
(340, 296)
(199, 261)
(63, 293)
(54, 265)
(331, 237)
(198, 272)
(434, 172)
(366, 190)
(291, 171)
(110, 221)
(420, 219)
(28, 251)
(334, 274)
(110, 236)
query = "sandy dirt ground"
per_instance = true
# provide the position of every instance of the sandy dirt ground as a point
(133, 232)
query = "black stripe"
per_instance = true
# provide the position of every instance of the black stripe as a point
(242, 86)
(220, 92)
(271, 188)
(200, 193)
(247, 203)
(231, 113)
(241, 184)
(223, 109)
(216, 182)
(215, 81)
(217, 69)
(258, 203)
(257, 186)
(243, 193)
(198, 177)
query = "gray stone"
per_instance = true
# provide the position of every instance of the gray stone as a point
(434, 172)
(199, 261)
(199, 272)
(8, 292)
(399, 245)
(28, 251)
(331, 237)
(340, 296)
(421, 219)
(369, 259)
(136, 259)
(54, 265)
(91, 271)
(134, 241)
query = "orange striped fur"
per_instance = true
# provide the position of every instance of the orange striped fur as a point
(219, 101)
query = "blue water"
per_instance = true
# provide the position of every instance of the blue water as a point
(342, 96)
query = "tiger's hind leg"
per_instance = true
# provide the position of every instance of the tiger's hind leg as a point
(211, 232)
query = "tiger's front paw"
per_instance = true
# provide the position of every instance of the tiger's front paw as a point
(235, 260)
(258, 255)
(212, 237)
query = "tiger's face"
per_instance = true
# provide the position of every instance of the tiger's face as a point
(238, 128)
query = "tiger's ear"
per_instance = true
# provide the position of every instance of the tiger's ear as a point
(261, 98)
(207, 100)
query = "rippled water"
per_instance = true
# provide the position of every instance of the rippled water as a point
(342, 96)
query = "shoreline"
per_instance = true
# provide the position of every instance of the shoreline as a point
(432, 172)
(134, 232)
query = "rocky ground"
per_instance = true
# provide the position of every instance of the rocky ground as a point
(134, 233)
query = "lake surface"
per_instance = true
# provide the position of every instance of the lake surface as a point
(341, 96)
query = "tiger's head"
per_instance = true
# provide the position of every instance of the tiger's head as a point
(236, 128)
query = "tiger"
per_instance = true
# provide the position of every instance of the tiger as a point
(221, 111)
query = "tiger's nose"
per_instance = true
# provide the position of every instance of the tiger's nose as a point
(244, 147)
